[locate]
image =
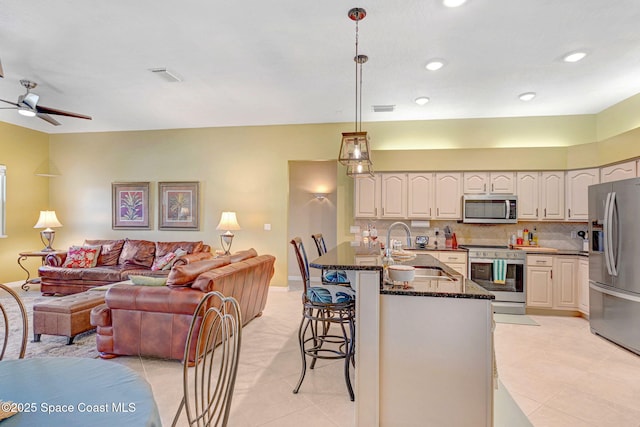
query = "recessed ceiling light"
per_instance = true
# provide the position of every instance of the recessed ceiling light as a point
(574, 56)
(434, 64)
(453, 3)
(527, 96)
(421, 100)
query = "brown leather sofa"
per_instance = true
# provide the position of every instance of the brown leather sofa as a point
(116, 261)
(154, 320)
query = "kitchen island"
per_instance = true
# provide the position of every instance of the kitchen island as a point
(424, 354)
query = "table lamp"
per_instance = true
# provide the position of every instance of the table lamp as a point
(47, 220)
(228, 222)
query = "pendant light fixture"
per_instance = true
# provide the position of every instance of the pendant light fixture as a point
(354, 149)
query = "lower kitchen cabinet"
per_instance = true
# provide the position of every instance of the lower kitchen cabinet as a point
(539, 281)
(583, 285)
(552, 282)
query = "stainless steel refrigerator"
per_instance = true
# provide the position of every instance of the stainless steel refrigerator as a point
(614, 262)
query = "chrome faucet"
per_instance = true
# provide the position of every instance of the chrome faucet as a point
(406, 228)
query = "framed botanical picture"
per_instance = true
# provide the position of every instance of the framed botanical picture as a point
(130, 205)
(178, 205)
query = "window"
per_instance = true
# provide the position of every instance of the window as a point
(3, 199)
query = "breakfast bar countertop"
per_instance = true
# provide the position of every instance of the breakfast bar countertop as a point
(365, 257)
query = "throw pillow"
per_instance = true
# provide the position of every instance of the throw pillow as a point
(178, 253)
(81, 257)
(110, 251)
(148, 281)
(163, 261)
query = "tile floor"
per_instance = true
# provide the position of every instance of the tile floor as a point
(558, 373)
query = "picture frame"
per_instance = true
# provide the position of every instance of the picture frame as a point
(179, 205)
(130, 205)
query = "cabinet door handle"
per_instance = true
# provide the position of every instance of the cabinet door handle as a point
(545, 212)
(437, 211)
(429, 211)
(484, 188)
(551, 273)
(569, 212)
(536, 212)
(382, 211)
(492, 188)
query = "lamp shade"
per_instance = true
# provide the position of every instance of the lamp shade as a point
(47, 219)
(228, 222)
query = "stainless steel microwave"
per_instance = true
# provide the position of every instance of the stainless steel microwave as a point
(490, 208)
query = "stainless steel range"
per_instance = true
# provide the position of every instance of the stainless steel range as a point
(510, 292)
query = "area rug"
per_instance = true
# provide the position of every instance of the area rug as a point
(516, 319)
(84, 345)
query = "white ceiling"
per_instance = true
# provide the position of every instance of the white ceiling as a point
(291, 61)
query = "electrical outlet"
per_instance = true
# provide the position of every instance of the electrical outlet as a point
(574, 235)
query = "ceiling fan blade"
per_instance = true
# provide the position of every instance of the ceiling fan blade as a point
(9, 102)
(1, 70)
(48, 118)
(54, 111)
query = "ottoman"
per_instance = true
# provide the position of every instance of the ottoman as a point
(67, 316)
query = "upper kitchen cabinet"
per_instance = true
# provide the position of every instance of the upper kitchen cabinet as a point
(618, 172)
(448, 199)
(552, 195)
(528, 195)
(394, 195)
(367, 196)
(577, 197)
(540, 195)
(489, 182)
(421, 195)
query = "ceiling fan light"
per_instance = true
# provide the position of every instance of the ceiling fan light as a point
(421, 100)
(26, 112)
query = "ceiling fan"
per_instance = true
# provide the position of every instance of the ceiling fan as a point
(27, 105)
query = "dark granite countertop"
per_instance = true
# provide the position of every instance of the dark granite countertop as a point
(363, 257)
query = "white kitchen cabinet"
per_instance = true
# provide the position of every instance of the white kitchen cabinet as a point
(421, 195)
(539, 281)
(540, 195)
(552, 282)
(367, 196)
(448, 199)
(552, 195)
(618, 171)
(583, 285)
(577, 195)
(394, 195)
(489, 182)
(455, 260)
(565, 282)
(527, 184)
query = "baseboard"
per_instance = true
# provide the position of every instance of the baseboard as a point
(552, 312)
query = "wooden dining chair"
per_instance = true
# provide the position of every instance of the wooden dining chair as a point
(215, 336)
(6, 325)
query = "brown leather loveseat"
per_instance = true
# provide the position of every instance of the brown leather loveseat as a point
(117, 260)
(154, 320)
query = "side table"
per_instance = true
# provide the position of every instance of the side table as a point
(42, 254)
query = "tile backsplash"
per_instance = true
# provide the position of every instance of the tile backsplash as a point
(550, 234)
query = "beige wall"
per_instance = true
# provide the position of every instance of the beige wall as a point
(24, 152)
(308, 215)
(246, 169)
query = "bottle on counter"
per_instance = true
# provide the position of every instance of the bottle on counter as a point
(534, 237)
(454, 241)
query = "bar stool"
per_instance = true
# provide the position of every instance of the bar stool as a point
(323, 306)
(338, 277)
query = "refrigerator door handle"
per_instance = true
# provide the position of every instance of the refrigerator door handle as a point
(612, 251)
(607, 234)
(596, 287)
